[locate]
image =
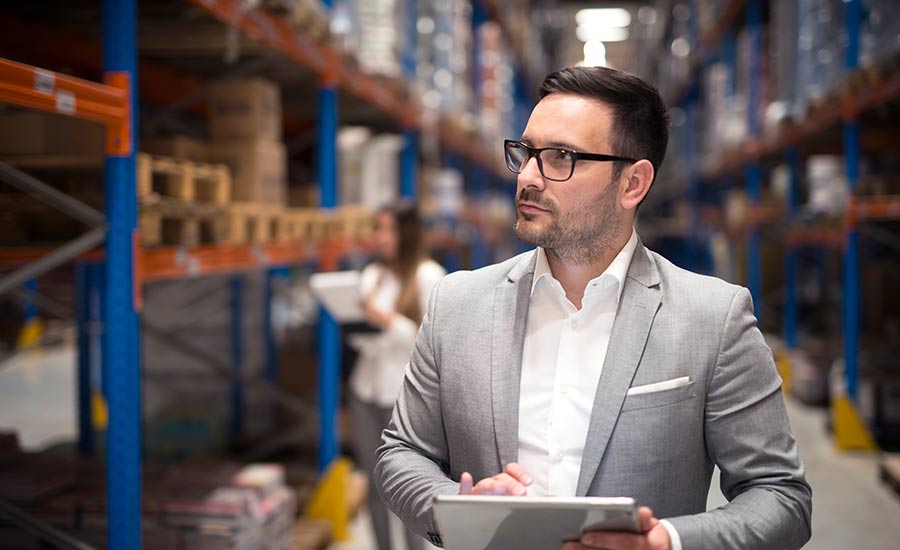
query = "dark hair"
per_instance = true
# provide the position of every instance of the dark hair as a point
(640, 128)
(410, 253)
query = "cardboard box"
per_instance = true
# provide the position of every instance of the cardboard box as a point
(36, 133)
(245, 109)
(179, 147)
(258, 169)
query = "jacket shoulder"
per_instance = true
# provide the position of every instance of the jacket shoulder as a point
(694, 289)
(464, 285)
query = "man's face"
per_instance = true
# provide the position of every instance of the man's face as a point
(575, 218)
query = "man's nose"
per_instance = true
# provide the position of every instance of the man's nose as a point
(531, 176)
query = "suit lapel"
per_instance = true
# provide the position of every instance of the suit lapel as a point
(511, 299)
(637, 309)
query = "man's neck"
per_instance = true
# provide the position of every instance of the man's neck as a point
(574, 276)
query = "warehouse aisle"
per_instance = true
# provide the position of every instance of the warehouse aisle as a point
(37, 396)
(851, 507)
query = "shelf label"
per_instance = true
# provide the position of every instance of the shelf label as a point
(44, 81)
(65, 102)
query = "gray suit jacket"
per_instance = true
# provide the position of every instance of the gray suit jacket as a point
(458, 409)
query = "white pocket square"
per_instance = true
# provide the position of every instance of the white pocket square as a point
(660, 386)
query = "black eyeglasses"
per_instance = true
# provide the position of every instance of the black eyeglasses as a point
(554, 163)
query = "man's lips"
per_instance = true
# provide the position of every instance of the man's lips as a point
(530, 208)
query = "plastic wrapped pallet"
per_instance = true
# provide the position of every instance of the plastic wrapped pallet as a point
(443, 55)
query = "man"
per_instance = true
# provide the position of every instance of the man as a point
(592, 366)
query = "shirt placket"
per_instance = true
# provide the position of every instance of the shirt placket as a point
(562, 388)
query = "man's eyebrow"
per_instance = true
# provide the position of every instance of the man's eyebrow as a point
(553, 144)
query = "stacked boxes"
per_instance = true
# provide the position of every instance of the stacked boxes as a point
(245, 126)
(211, 505)
(27, 132)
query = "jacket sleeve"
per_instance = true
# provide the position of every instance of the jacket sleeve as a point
(749, 437)
(411, 467)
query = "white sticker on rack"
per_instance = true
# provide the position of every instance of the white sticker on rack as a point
(65, 102)
(44, 81)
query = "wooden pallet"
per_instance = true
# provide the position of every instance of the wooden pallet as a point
(191, 182)
(169, 222)
(250, 223)
(352, 222)
(301, 225)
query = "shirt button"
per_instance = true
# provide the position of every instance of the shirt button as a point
(564, 389)
(573, 323)
(558, 456)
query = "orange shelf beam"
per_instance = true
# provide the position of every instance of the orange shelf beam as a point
(881, 207)
(830, 237)
(176, 262)
(330, 66)
(843, 105)
(29, 86)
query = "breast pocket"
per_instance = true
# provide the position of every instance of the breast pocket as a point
(659, 398)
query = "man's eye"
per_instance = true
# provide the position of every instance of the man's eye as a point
(562, 154)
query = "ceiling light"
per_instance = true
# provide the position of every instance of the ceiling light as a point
(587, 33)
(608, 17)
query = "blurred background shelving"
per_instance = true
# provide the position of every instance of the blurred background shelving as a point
(213, 154)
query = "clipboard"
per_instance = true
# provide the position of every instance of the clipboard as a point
(472, 522)
(338, 292)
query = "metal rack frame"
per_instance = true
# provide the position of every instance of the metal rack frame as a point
(783, 143)
(108, 286)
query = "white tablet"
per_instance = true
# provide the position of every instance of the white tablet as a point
(338, 291)
(537, 523)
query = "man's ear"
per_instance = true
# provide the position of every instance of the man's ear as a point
(637, 181)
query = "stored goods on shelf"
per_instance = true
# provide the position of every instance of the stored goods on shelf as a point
(186, 181)
(258, 169)
(36, 133)
(179, 147)
(245, 109)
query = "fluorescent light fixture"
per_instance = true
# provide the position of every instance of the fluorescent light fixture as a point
(587, 33)
(607, 17)
(604, 24)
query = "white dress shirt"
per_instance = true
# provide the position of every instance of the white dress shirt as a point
(562, 360)
(378, 374)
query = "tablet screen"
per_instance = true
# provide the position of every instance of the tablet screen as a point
(502, 523)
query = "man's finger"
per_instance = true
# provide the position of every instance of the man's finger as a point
(501, 484)
(465, 483)
(617, 541)
(519, 473)
(646, 521)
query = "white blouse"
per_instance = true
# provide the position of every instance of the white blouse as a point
(378, 374)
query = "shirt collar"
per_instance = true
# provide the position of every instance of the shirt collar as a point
(618, 268)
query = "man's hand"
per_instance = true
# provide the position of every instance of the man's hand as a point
(377, 317)
(654, 536)
(511, 482)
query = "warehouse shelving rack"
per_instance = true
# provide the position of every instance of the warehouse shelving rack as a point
(858, 94)
(108, 285)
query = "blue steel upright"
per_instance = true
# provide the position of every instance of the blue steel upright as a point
(236, 305)
(329, 334)
(753, 172)
(121, 338)
(790, 264)
(271, 359)
(409, 157)
(853, 17)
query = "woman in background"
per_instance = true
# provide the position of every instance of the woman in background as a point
(395, 289)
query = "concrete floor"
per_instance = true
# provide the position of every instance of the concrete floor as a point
(851, 507)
